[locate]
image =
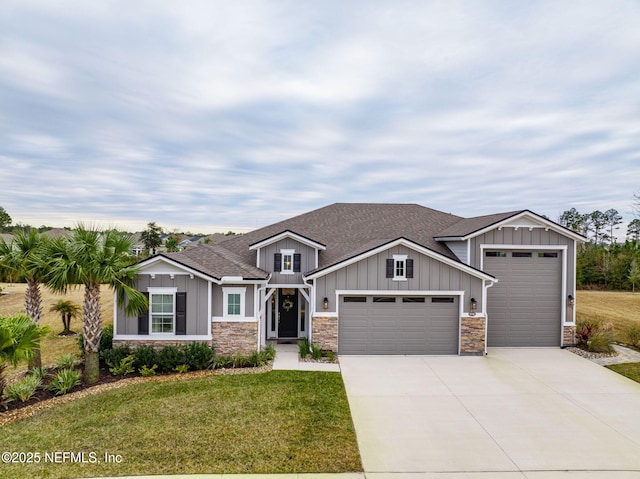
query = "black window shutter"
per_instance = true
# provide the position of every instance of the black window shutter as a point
(390, 266)
(181, 313)
(296, 262)
(143, 319)
(277, 262)
(409, 272)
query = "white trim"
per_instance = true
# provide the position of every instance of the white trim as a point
(231, 319)
(411, 245)
(164, 259)
(469, 252)
(209, 305)
(258, 259)
(161, 337)
(288, 234)
(226, 291)
(575, 284)
(285, 285)
(286, 252)
(157, 291)
(115, 312)
(400, 258)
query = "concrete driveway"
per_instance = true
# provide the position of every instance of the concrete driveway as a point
(516, 413)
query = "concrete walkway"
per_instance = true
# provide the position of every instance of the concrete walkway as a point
(625, 355)
(287, 358)
(517, 413)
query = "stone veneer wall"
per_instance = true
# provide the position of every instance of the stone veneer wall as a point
(230, 337)
(472, 335)
(324, 333)
(568, 335)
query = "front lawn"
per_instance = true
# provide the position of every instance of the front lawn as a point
(630, 370)
(276, 422)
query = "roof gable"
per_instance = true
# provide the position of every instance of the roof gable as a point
(288, 234)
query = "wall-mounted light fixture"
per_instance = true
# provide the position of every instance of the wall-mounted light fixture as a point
(325, 304)
(474, 307)
(572, 300)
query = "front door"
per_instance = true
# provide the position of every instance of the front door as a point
(288, 321)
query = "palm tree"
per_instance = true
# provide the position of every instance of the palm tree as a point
(91, 257)
(22, 257)
(19, 338)
(68, 310)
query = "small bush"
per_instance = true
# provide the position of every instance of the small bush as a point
(181, 368)
(197, 355)
(169, 357)
(113, 357)
(632, 335)
(601, 342)
(240, 361)
(316, 352)
(64, 381)
(304, 347)
(269, 352)
(146, 372)
(145, 356)
(221, 362)
(585, 329)
(125, 367)
(22, 390)
(68, 361)
(331, 356)
(40, 373)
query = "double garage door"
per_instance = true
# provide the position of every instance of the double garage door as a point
(398, 325)
(524, 307)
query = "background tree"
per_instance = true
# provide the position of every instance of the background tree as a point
(19, 337)
(633, 230)
(613, 220)
(23, 258)
(171, 243)
(91, 257)
(572, 219)
(151, 237)
(5, 219)
(634, 274)
(67, 310)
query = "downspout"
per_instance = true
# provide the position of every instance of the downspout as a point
(260, 310)
(486, 314)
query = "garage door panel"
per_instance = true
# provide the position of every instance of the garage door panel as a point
(398, 327)
(524, 306)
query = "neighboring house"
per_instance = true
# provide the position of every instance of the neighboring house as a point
(367, 279)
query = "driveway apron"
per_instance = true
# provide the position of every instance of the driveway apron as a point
(522, 412)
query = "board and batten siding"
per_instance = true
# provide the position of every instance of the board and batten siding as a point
(307, 260)
(218, 299)
(197, 307)
(429, 274)
(524, 236)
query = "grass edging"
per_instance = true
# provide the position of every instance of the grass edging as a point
(629, 370)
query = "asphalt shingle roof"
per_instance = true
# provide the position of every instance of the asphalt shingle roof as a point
(467, 226)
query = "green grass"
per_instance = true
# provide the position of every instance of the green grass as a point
(630, 370)
(276, 422)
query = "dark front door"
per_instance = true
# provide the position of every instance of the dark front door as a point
(288, 323)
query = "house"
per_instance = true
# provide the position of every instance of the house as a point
(367, 279)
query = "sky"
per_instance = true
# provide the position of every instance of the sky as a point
(206, 116)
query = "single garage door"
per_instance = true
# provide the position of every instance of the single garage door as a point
(524, 306)
(398, 325)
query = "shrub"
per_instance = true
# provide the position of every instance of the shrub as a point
(146, 372)
(220, 362)
(68, 361)
(64, 381)
(304, 347)
(125, 367)
(106, 340)
(22, 390)
(331, 356)
(40, 373)
(632, 335)
(145, 356)
(240, 361)
(316, 352)
(181, 368)
(269, 352)
(169, 357)
(585, 329)
(113, 357)
(197, 355)
(600, 342)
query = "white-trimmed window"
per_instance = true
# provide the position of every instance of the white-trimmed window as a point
(162, 310)
(287, 261)
(233, 302)
(399, 267)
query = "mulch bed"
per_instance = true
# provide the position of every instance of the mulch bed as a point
(44, 399)
(589, 354)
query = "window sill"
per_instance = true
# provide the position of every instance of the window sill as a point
(399, 279)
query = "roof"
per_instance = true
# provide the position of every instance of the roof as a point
(346, 227)
(467, 226)
(215, 263)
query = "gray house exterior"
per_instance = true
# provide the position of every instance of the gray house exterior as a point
(367, 279)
